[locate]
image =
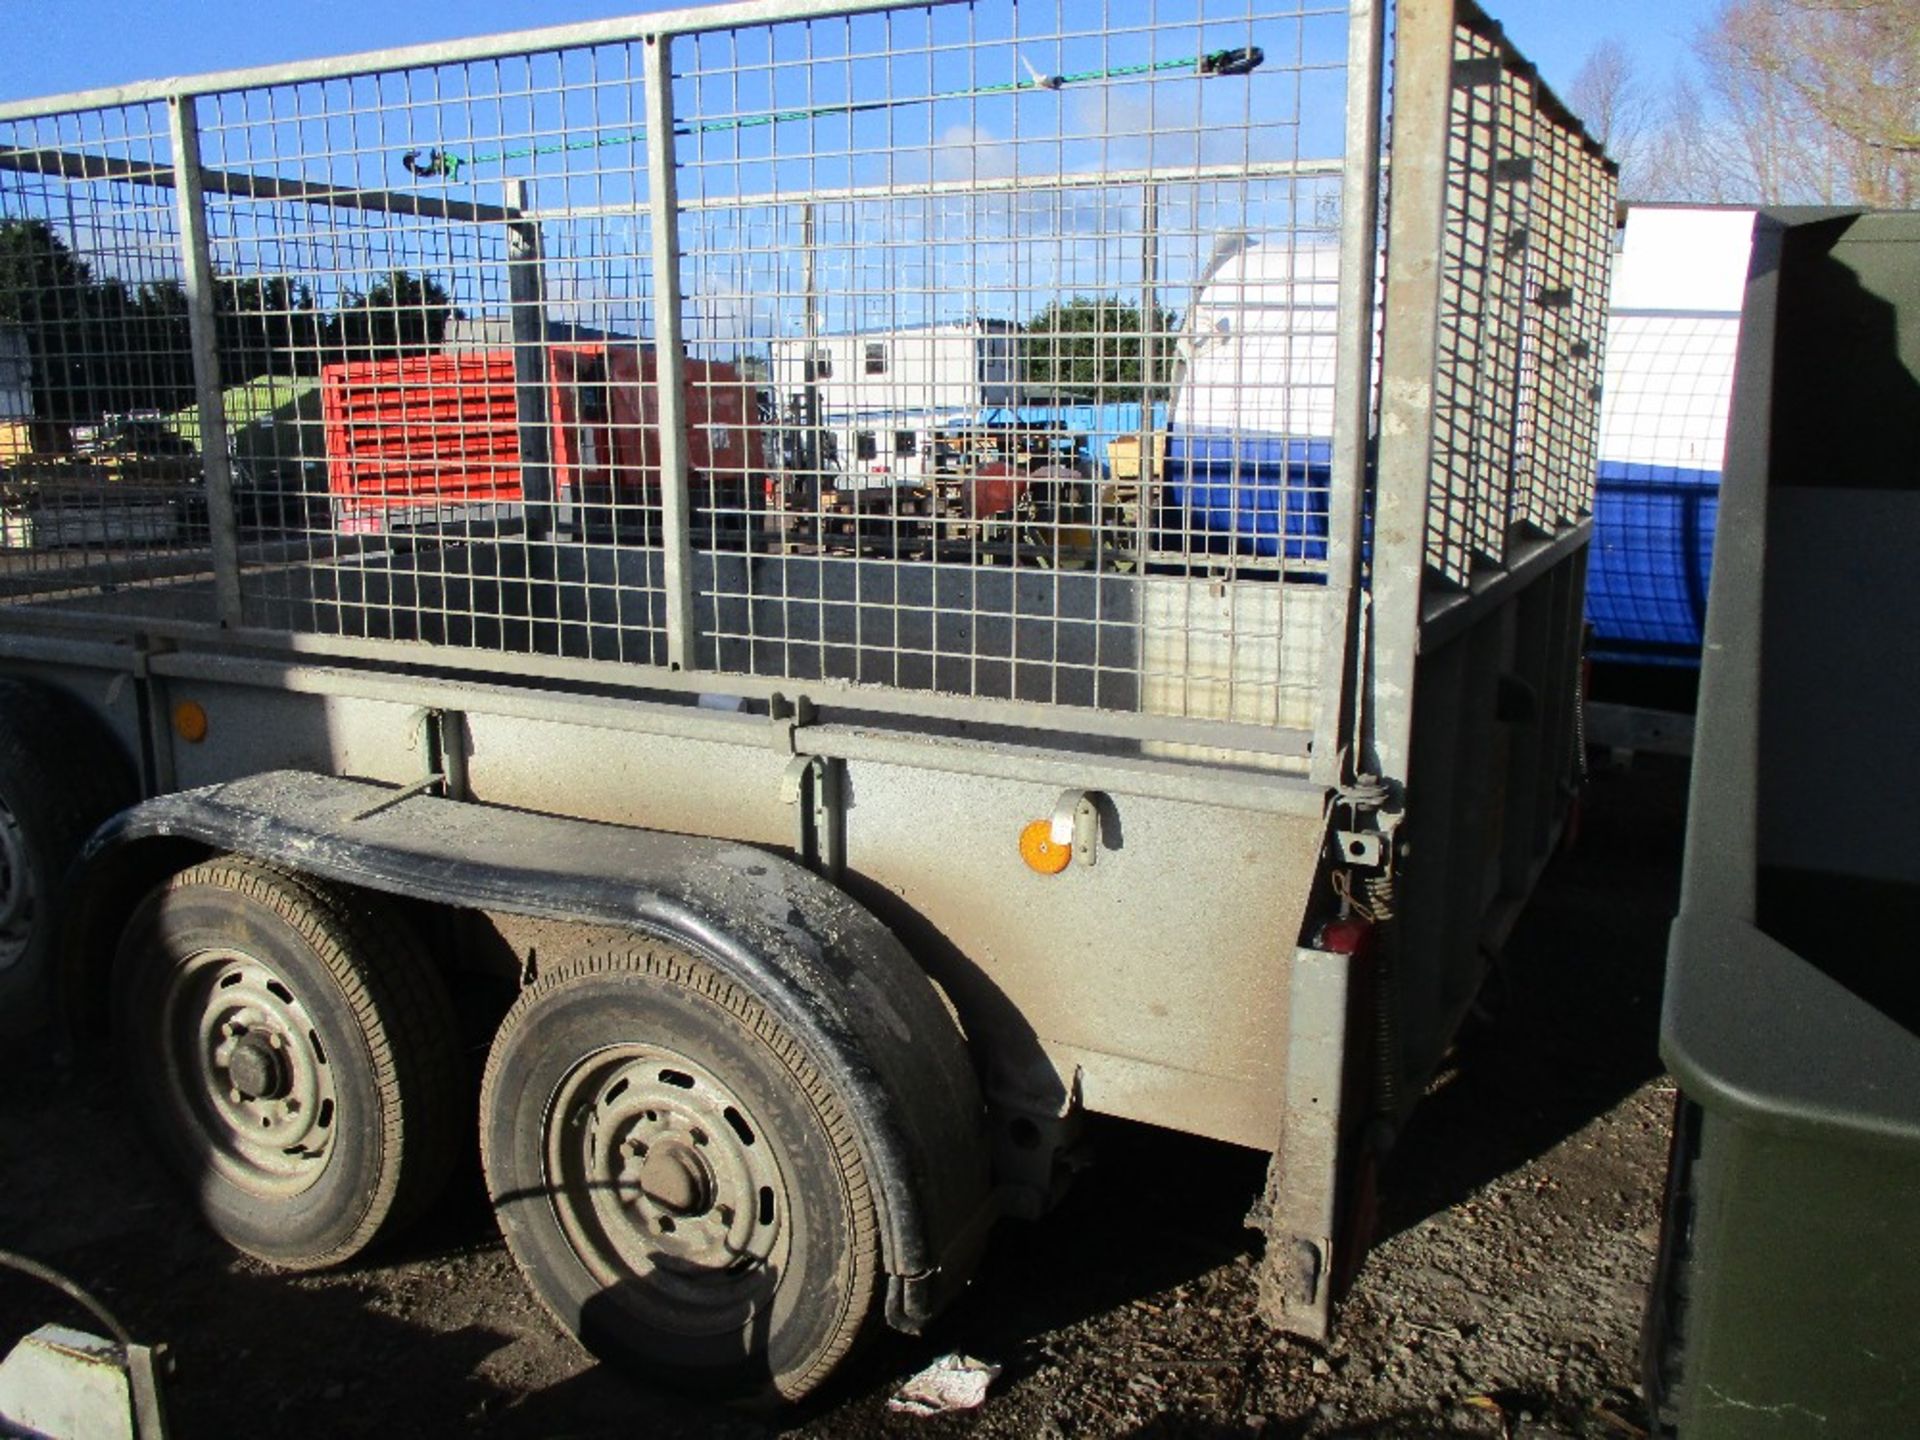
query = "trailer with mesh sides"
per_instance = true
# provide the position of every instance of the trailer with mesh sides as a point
(522, 683)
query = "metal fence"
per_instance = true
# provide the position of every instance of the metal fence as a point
(991, 354)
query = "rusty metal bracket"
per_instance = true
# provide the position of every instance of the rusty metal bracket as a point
(441, 738)
(1471, 74)
(1366, 848)
(443, 743)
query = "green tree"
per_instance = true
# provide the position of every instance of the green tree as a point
(50, 296)
(267, 325)
(1090, 347)
(403, 314)
(156, 341)
(39, 273)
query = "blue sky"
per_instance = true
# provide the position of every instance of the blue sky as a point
(883, 264)
(61, 45)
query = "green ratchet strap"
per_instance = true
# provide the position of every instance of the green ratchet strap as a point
(444, 164)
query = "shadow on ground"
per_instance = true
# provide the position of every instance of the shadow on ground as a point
(1571, 1014)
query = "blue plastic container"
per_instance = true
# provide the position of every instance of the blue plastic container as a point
(1647, 570)
(1248, 495)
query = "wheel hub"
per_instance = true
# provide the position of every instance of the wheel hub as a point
(257, 1070)
(667, 1187)
(249, 1066)
(675, 1177)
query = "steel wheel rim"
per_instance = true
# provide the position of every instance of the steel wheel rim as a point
(16, 890)
(247, 1066)
(667, 1189)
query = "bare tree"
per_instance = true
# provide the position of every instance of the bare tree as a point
(1688, 157)
(1814, 100)
(1618, 111)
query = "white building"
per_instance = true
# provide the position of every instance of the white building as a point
(16, 394)
(882, 394)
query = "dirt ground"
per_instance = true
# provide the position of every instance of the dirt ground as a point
(1502, 1300)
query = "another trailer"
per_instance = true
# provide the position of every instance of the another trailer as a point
(802, 899)
(1672, 327)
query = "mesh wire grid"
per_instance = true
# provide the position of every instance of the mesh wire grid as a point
(1004, 338)
(96, 489)
(1525, 250)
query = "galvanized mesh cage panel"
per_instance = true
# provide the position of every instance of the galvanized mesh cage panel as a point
(979, 350)
(97, 490)
(1003, 338)
(1001, 302)
(1663, 430)
(1529, 202)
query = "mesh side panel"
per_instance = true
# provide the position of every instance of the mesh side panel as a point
(1005, 334)
(1523, 295)
(1663, 430)
(101, 490)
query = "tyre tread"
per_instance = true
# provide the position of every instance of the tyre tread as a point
(61, 784)
(406, 1019)
(650, 960)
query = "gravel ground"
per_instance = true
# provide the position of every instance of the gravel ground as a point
(1503, 1299)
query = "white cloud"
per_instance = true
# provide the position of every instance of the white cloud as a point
(969, 152)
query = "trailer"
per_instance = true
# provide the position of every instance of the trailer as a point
(1672, 328)
(791, 904)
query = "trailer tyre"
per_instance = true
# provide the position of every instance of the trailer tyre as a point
(60, 777)
(675, 1177)
(297, 1056)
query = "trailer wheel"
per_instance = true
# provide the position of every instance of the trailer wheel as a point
(296, 1054)
(60, 777)
(675, 1178)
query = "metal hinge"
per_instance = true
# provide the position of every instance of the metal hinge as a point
(1076, 822)
(811, 783)
(788, 716)
(1470, 74)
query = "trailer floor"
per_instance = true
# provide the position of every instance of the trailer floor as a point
(1521, 1218)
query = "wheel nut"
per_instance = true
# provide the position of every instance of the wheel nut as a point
(274, 1039)
(233, 1094)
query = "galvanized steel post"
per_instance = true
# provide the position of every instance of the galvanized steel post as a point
(1422, 98)
(527, 301)
(196, 259)
(1342, 661)
(669, 353)
(1149, 349)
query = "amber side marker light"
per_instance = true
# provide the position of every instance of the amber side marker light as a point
(1038, 849)
(190, 721)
